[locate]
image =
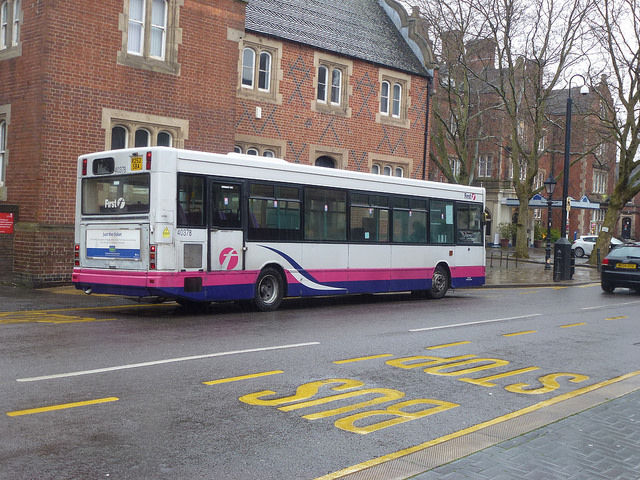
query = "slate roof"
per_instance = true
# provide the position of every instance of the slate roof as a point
(354, 28)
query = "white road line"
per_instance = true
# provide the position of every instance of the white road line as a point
(476, 323)
(161, 362)
(610, 305)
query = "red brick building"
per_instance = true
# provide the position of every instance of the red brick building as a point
(592, 155)
(85, 76)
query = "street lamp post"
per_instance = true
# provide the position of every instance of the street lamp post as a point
(549, 186)
(562, 246)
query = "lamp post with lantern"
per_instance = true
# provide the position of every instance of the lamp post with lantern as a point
(562, 248)
(549, 186)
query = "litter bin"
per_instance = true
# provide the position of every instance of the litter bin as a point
(562, 260)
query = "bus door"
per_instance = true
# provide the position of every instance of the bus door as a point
(226, 238)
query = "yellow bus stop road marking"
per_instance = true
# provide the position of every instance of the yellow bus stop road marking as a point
(62, 406)
(460, 433)
(519, 333)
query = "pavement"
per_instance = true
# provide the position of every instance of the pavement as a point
(595, 435)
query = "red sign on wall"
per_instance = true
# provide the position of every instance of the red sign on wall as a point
(6, 222)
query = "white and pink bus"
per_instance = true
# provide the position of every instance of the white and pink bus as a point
(200, 227)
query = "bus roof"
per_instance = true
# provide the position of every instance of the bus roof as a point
(235, 165)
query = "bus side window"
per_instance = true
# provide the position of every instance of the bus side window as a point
(441, 222)
(225, 206)
(190, 208)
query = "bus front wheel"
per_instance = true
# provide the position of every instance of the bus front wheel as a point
(439, 283)
(269, 290)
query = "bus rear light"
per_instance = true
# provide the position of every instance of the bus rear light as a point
(148, 160)
(84, 166)
(152, 257)
(76, 255)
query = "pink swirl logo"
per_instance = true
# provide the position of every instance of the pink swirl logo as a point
(229, 258)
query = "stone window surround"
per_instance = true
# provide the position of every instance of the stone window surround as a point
(404, 81)
(391, 161)
(12, 51)
(278, 147)
(260, 44)
(331, 62)
(339, 155)
(170, 63)
(178, 128)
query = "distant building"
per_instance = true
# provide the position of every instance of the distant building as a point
(338, 84)
(592, 173)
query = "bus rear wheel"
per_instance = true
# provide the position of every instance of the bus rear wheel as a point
(439, 283)
(269, 290)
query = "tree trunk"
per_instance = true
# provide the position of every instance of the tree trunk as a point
(522, 244)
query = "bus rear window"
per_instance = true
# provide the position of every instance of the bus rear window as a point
(115, 195)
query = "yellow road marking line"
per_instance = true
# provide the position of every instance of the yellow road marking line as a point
(243, 377)
(589, 285)
(518, 413)
(436, 347)
(62, 406)
(617, 318)
(519, 333)
(108, 307)
(360, 359)
(573, 325)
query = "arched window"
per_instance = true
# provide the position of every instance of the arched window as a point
(142, 138)
(336, 86)
(399, 172)
(119, 137)
(325, 161)
(264, 72)
(237, 149)
(322, 83)
(268, 153)
(397, 100)
(384, 98)
(375, 168)
(165, 139)
(386, 170)
(248, 65)
(252, 151)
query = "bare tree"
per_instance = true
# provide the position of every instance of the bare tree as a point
(534, 45)
(615, 26)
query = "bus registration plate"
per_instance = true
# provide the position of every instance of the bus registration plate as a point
(136, 163)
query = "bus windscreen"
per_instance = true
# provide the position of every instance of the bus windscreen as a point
(115, 195)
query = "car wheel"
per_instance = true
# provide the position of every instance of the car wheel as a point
(579, 251)
(269, 290)
(606, 287)
(439, 283)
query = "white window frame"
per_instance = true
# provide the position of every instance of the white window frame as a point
(323, 76)
(331, 84)
(10, 19)
(485, 166)
(248, 67)
(159, 20)
(396, 102)
(385, 88)
(158, 27)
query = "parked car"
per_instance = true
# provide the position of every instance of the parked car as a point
(621, 268)
(584, 244)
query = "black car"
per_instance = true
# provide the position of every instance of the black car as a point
(621, 268)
